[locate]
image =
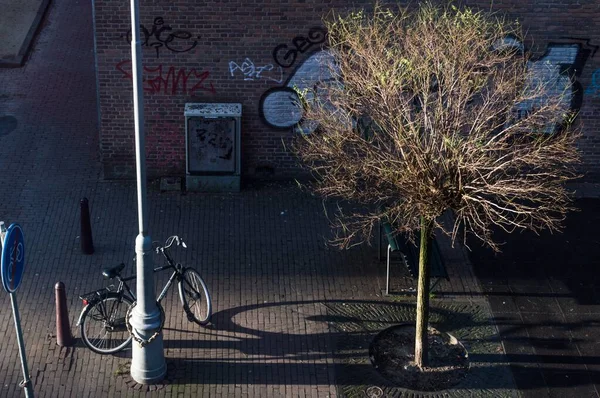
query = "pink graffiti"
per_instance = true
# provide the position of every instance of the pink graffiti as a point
(170, 81)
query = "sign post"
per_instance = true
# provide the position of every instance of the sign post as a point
(12, 266)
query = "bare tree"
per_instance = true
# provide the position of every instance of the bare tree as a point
(431, 110)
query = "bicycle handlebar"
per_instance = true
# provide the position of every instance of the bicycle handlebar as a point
(169, 242)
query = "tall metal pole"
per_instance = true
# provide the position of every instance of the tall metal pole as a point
(148, 362)
(27, 384)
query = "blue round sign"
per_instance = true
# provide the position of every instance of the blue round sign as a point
(13, 258)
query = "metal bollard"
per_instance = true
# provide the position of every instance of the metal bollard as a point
(87, 244)
(64, 337)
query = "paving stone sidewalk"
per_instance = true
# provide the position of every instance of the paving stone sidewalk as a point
(543, 291)
(356, 323)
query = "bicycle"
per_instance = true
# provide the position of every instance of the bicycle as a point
(103, 321)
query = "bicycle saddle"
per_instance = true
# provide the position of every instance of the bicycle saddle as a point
(110, 273)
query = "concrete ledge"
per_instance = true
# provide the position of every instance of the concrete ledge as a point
(20, 21)
(213, 183)
(170, 184)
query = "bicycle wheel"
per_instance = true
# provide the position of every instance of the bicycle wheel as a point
(103, 327)
(195, 297)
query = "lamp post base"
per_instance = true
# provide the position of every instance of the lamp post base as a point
(148, 364)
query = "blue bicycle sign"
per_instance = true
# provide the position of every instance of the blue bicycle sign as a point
(13, 258)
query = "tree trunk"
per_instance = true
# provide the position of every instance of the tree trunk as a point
(421, 343)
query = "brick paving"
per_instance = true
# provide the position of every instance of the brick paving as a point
(355, 325)
(262, 251)
(543, 291)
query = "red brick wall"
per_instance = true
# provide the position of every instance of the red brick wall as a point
(224, 52)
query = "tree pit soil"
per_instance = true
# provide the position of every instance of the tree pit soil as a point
(392, 352)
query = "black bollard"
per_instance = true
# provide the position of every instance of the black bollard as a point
(87, 244)
(64, 338)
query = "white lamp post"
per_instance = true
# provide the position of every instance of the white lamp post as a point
(148, 362)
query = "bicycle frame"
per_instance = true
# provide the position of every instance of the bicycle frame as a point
(123, 288)
(109, 309)
(177, 272)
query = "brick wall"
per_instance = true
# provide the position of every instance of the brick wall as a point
(253, 52)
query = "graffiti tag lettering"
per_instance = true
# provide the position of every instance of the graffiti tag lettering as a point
(211, 144)
(280, 106)
(170, 81)
(253, 72)
(285, 56)
(221, 144)
(162, 35)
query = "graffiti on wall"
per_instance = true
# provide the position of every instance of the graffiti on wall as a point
(170, 80)
(252, 72)
(165, 131)
(561, 65)
(162, 35)
(211, 144)
(285, 55)
(280, 106)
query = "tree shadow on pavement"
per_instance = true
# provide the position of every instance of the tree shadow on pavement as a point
(337, 345)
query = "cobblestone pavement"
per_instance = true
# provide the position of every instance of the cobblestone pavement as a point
(262, 251)
(355, 325)
(543, 291)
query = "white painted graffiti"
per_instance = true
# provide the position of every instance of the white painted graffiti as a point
(551, 71)
(558, 69)
(280, 106)
(253, 72)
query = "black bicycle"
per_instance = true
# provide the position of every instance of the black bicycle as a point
(103, 320)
